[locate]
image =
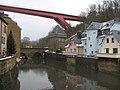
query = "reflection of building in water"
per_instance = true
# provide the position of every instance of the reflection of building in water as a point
(75, 82)
(9, 80)
(89, 84)
(68, 80)
(57, 78)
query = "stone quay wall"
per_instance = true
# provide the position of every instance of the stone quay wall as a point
(111, 66)
(55, 56)
(87, 63)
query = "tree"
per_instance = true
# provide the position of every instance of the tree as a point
(25, 42)
(10, 44)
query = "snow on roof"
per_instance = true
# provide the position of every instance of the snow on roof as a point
(4, 58)
(67, 46)
(107, 25)
(79, 45)
(83, 38)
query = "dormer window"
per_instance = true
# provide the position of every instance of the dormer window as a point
(92, 25)
(107, 24)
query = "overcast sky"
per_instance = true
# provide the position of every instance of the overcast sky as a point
(37, 27)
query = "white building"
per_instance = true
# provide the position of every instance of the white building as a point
(110, 46)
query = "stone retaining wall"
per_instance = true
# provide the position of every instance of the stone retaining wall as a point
(7, 64)
(109, 66)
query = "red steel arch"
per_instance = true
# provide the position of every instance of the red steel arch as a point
(58, 17)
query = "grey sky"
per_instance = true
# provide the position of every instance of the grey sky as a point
(37, 27)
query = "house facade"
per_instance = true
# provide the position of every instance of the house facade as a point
(7, 25)
(110, 46)
(94, 35)
(16, 31)
(3, 37)
(56, 38)
(90, 42)
(74, 46)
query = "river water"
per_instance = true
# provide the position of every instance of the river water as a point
(58, 76)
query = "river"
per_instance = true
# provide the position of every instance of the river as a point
(57, 76)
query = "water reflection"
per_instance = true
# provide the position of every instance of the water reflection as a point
(34, 79)
(57, 76)
(67, 79)
(9, 80)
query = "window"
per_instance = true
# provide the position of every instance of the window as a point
(85, 43)
(74, 49)
(3, 40)
(115, 50)
(71, 50)
(92, 52)
(89, 38)
(85, 50)
(90, 45)
(5, 28)
(107, 40)
(107, 50)
(112, 40)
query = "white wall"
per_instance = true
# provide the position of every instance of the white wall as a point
(109, 45)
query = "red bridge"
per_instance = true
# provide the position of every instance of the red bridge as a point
(58, 17)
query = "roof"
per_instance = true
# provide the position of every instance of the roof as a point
(94, 26)
(3, 20)
(77, 40)
(107, 25)
(57, 30)
(71, 37)
(116, 34)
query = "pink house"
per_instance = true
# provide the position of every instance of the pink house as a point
(74, 46)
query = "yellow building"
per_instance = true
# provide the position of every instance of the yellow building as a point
(3, 37)
(16, 31)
